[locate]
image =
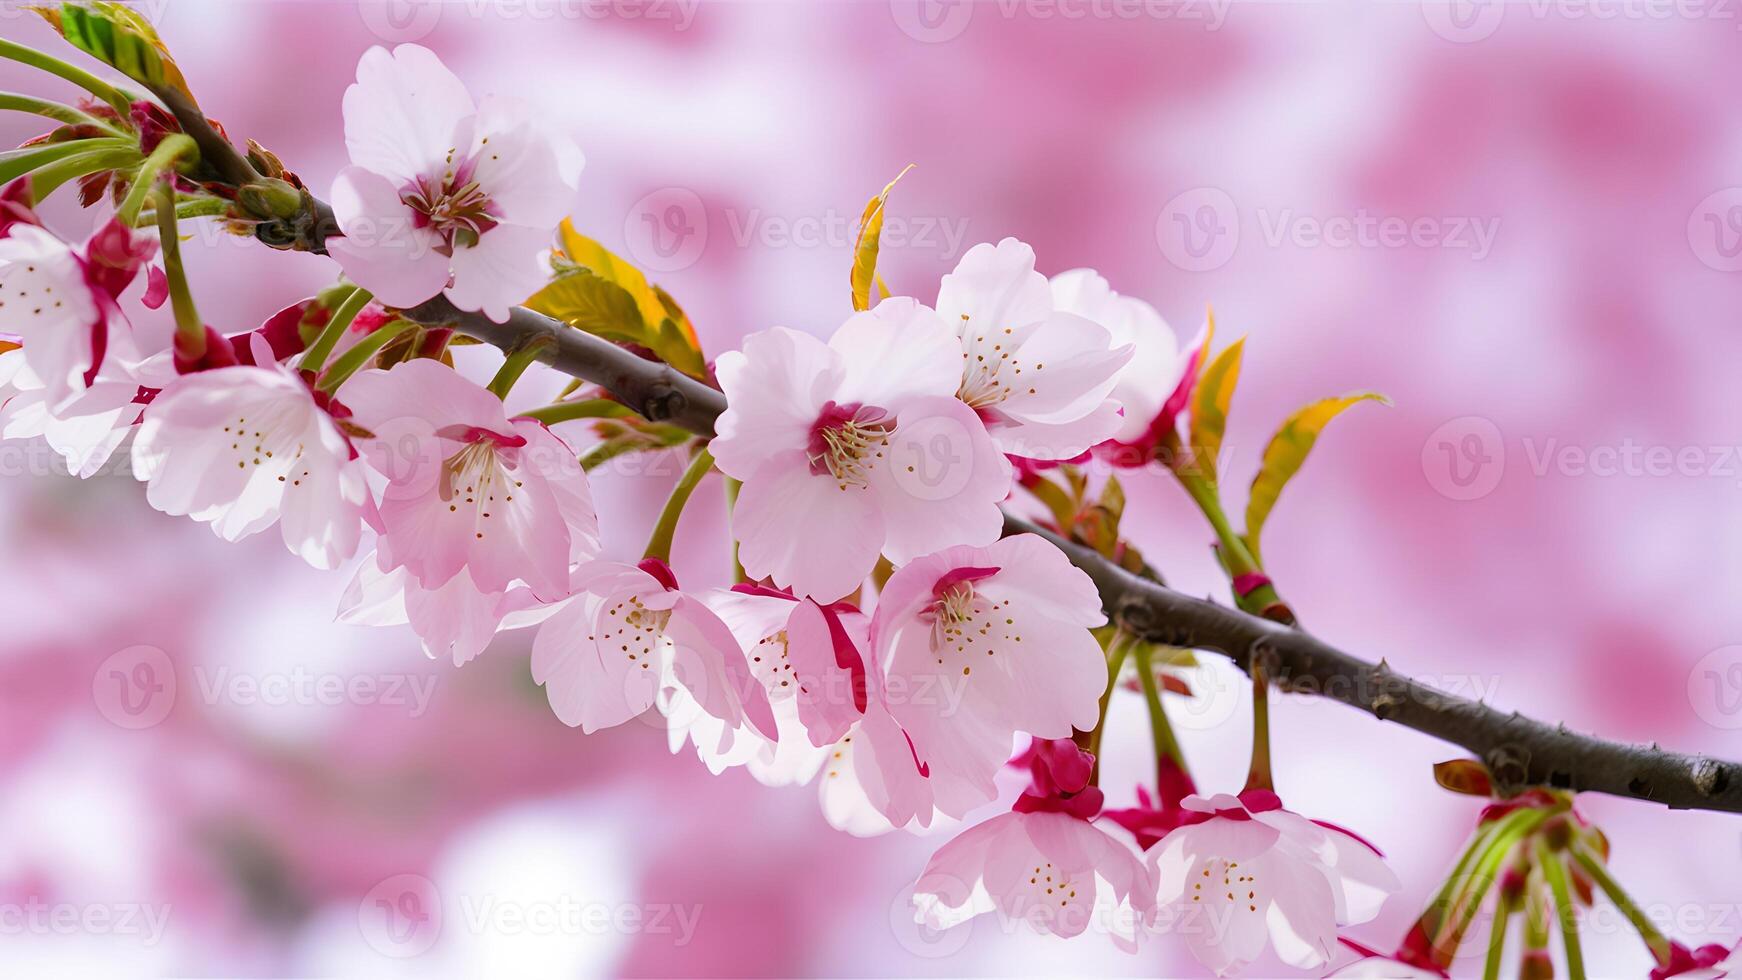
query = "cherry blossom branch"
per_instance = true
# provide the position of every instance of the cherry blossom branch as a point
(1519, 752)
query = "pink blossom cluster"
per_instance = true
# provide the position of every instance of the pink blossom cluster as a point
(888, 643)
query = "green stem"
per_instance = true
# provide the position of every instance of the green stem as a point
(173, 148)
(732, 488)
(48, 179)
(352, 361)
(58, 111)
(17, 163)
(1160, 731)
(1258, 774)
(197, 207)
(519, 359)
(1513, 827)
(316, 355)
(586, 408)
(120, 101)
(190, 330)
(1497, 936)
(1440, 909)
(659, 546)
(1556, 873)
(1118, 648)
(1599, 872)
(1236, 559)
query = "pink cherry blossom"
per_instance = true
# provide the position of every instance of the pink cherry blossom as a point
(468, 487)
(444, 194)
(810, 660)
(87, 429)
(1135, 451)
(854, 448)
(630, 633)
(975, 645)
(794, 647)
(1244, 873)
(60, 299)
(1156, 366)
(241, 447)
(1041, 377)
(455, 620)
(1055, 871)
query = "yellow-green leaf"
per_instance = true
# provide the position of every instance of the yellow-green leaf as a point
(605, 295)
(598, 306)
(602, 262)
(1210, 402)
(1287, 451)
(864, 272)
(121, 38)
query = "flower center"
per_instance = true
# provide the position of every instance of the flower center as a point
(847, 440)
(455, 206)
(991, 372)
(1236, 886)
(636, 631)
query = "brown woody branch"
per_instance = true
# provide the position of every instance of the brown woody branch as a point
(1520, 752)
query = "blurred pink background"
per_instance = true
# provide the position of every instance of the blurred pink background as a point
(1523, 222)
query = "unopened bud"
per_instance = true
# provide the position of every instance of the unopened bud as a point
(270, 198)
(1536, 965)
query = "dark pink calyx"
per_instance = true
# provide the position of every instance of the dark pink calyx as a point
(1260, 800)
(476, 433)
(660, 571)
(16, 206)
(1149, 822)
(1136, 454)
(1249, 582)
(958, 576)
(114, 255)
(217, 354)
(1685, 960)
(1061, 771)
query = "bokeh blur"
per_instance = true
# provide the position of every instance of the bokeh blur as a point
(1522, 221)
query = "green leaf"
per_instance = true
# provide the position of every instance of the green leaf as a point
(121, 38)
(865, 246)
(1287, 451)
(598, 306)
(1210, 402)
(606, 296)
